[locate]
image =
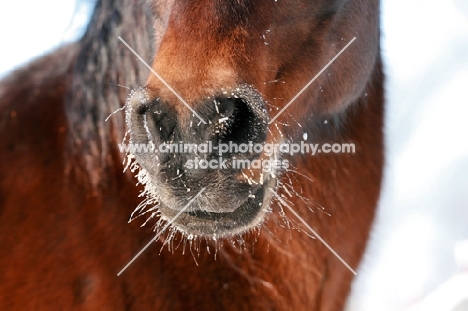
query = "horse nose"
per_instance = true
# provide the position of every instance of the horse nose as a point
(180, 164)
(232, 117)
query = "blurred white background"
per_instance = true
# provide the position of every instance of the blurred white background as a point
(418, 255)
(423, 218)
(29, 28)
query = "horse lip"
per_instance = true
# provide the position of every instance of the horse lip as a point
(248, 215)
(213, 216)
(216, 199)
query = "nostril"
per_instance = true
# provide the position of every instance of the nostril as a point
(239, 122)
(142, 108)
(138, 101)
(160, 119)
(165, 125)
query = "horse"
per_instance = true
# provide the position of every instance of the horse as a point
(220, 72)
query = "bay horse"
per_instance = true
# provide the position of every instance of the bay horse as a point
(232, 67)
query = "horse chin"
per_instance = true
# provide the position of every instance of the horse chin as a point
(247, 216)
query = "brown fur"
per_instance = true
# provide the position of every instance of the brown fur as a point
(64, 201)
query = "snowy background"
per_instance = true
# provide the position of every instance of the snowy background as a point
(418, 256)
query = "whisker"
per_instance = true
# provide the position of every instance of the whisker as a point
(162, 231)
(120, 85)
(274, 81)
(313, 231)
(118, 110)
(297, 172)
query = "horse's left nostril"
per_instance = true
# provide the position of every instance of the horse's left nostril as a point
(243, 124)
(238, 121)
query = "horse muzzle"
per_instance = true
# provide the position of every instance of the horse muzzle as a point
(208, 147)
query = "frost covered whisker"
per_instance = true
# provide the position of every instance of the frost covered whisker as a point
(312, 231)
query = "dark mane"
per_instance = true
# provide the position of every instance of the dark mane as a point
(102, 64)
